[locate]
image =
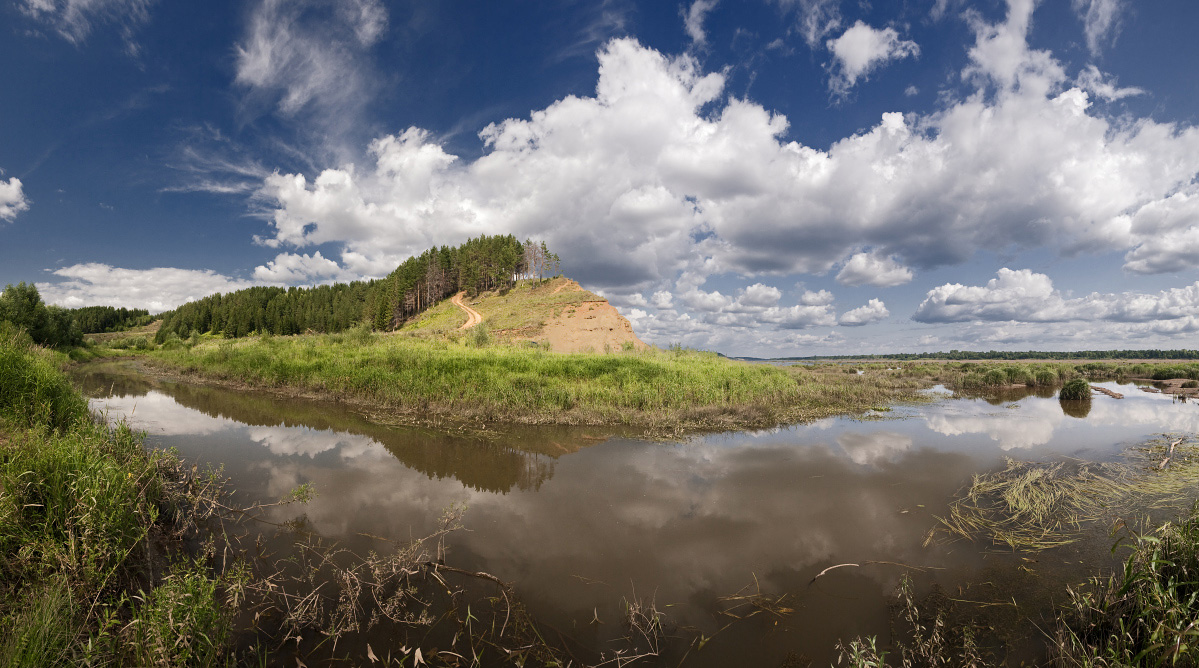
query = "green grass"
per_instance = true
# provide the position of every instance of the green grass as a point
(469, 379)
(80, 502)
(1075, 390)
(1146, 615)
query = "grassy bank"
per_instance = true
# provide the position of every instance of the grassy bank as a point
(421, 379)
(88, 518)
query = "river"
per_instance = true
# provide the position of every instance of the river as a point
(577, 519)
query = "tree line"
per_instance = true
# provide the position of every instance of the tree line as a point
(478, 265)
(21, 307)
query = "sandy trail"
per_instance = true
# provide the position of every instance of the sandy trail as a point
(473, 317)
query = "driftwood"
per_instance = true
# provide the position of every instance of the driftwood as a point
(1170, 454)
(1104, 390)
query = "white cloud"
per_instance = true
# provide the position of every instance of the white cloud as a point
(1101, 21)
(759, 295)
(661, 174)
(818, 298)
(800, 317)
(156, 290)
(693, 20)
(1103, 86)
(1169, 230)
(862, 49)
(294, 268)
(12, 199)
(874, 311)
(662, 300)
(874, 269)
(308, 54)
(817, 18)
(73, 20)
(1025, 296)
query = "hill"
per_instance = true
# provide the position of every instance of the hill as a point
(558, 313)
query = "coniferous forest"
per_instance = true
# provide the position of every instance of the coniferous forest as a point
(481, 264)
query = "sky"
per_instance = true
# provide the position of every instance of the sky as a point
(756, 177)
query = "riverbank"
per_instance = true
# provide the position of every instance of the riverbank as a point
(416, 380)
(92, 570)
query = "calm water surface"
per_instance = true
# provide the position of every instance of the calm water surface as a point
(577, 520)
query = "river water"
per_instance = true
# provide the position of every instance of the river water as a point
(577, 519)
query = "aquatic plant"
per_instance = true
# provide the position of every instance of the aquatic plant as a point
(1144, 616)
(1075, 390)
(1033, 506)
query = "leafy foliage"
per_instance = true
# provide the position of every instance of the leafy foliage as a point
(22, 308)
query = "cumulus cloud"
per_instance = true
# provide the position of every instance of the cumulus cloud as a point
(156, 290)
(295, 268)
(761, 296)
(873, 311)
(662, 175)
(873, 269)
(1025, 296)
(308, 54)
(801, 316)
(816, 298)
(74, 20)
(693, 20)
(12, 199)
(862, 49)
(1101, 21)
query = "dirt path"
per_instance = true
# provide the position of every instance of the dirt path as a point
(473, 317)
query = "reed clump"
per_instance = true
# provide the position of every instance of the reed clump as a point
(1075, 390)
(1145, 615)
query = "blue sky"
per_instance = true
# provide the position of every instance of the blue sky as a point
(761, 177)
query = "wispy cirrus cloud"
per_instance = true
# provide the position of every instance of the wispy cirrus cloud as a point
(1101, 21)
(309, 57)
(74, 20)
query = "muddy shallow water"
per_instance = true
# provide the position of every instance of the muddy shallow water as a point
(577, 520)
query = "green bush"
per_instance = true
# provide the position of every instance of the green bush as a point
(995, 378)
(1075, 390)
(1045, 378)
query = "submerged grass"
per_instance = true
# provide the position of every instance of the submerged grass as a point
(1033, 506)
(664, 391)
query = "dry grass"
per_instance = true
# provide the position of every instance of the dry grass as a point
(519, 312)
(1032, 506)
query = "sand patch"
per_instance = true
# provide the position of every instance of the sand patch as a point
(592, 326)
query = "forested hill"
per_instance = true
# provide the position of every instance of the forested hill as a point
(481, 264)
